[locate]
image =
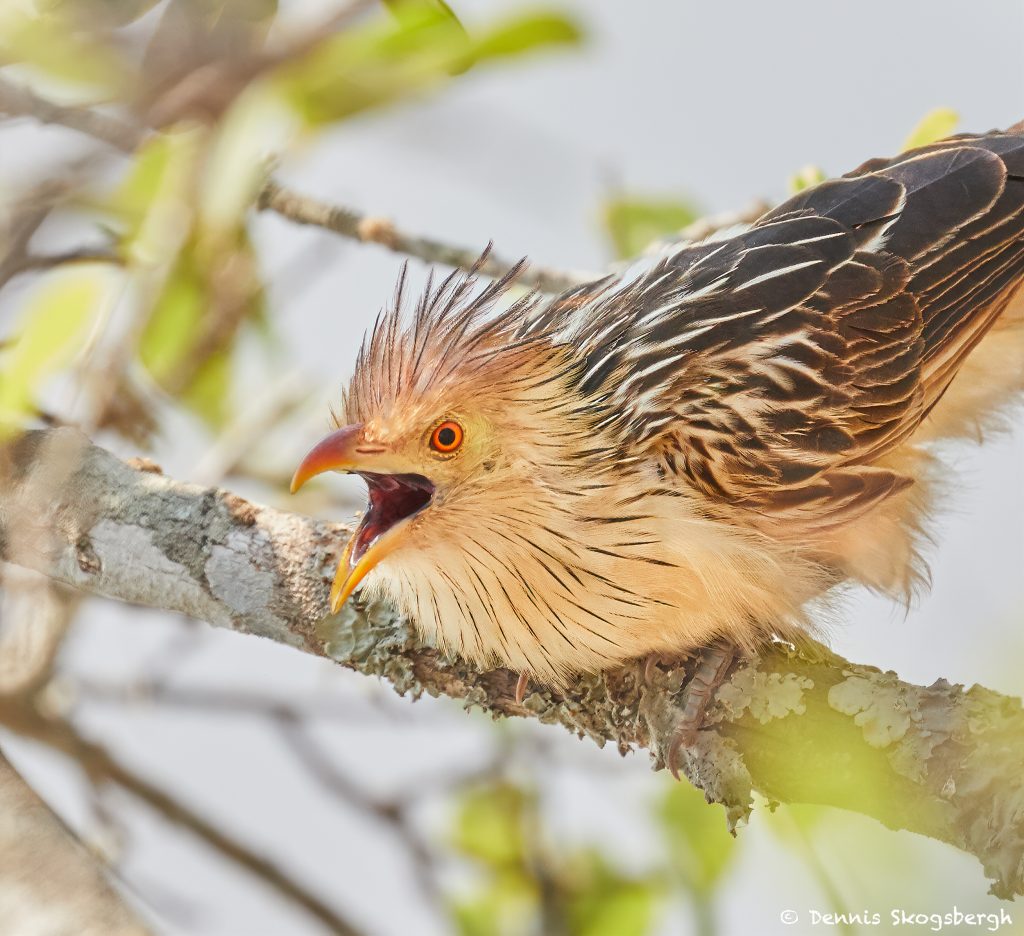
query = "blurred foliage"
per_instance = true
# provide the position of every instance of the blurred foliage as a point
(633, 224)
(404, 9)
(489, 829)
(797, 826)
(805, 178)
(700, 846)
(490, 825)
(52, 327)
(525, 882)
(934, 126)
(116, 12)
(220, 84)
(418, 49)
(526, 886)
(48, 44)
(601, 901)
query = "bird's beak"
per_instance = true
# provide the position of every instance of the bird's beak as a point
(336, 452)
(394, 498)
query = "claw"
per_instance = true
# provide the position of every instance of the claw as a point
(522, 686)
(681, 738)
(649, 666)
(712, 667)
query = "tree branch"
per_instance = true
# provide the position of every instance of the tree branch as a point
(20, 101)
(797, 726)
(301, 209)
(49, 883)
(102, 767)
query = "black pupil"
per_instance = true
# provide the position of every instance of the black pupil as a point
(446, 436)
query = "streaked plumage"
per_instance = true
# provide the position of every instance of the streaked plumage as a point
(704, 444)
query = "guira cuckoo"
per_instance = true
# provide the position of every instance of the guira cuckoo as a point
(701, 447)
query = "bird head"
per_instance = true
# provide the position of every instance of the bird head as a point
(449, 416)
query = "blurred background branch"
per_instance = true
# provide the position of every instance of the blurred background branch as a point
(19, 100)
(371, 230)
(49, 883)
(102, 768)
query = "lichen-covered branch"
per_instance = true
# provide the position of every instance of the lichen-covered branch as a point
(796, 725)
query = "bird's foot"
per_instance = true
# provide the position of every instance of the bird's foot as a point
(710, 667)
(649, 665)
(522, 686)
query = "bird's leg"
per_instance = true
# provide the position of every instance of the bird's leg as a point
(712, 666)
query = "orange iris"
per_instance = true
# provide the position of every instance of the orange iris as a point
(447, 437)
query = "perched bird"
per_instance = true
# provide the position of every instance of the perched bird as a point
(698, 448)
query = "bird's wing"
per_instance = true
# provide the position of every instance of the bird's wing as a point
(774, 368)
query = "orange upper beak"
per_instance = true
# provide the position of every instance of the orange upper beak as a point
(346, 450)
(336, 452)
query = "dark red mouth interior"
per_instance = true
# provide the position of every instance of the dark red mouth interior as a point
(393, 498)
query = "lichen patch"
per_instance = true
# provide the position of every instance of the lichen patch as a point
(765, 695)
(878, 708)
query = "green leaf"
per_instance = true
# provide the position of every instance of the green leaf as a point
(388, 60)
(403, 10)
(624, 909)
(132, 198)
(145, 203)
(366, 67)
(211, 286)
(174, 323)
(635, 223)
(523, 35)
(52, 329)
(699, 843)
(934, 126)
(490, 828)
(806, 178)
(489, 825)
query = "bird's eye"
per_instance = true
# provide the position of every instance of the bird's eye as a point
(447, 437)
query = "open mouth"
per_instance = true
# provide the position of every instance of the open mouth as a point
(392, 499)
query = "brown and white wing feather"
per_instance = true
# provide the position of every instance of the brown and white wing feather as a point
(774, 368)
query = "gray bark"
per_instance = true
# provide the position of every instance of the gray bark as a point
(798, 725)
